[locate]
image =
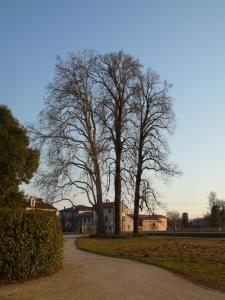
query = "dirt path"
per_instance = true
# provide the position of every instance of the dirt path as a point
(91, 276)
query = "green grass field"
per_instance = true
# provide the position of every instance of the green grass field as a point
(199, 259)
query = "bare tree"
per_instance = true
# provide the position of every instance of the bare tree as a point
(173, 219)
(103, 115)
(153, 117)
(69, 132)
(149, 199)
(217, 210)
(116, 73)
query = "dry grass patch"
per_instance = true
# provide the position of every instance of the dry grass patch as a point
(200, 259)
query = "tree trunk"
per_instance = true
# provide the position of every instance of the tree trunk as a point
(118, 190)
(138, 185)
(137, 201)
(99, 209)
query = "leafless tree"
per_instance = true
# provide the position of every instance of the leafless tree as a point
(152, 118)
(116, 73)
(149, 198)
(70, 134)
(103, 116)
(173, 219)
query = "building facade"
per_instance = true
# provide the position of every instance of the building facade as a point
(109, 217)
(83, 219)
(152, 223)
(77, 219)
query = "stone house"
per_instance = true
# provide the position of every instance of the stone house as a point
(152, 223)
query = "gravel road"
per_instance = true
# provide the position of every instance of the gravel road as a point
(90, 276)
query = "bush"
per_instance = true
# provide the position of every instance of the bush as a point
(30, 244)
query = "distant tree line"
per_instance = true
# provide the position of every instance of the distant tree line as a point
(215, 218)
(216, 215)
(104, 126)
(175, 221)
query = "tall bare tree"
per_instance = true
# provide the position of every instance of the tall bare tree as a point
(70, 134)
(153, 117)
(101, 111)
(116, 73)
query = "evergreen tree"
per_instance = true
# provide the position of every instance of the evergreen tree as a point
(18, 161)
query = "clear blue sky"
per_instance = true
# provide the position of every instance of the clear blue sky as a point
(183, 40)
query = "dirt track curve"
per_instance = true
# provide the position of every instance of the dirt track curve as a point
(91, 276)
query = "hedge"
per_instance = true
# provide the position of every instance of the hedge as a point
(31, 244)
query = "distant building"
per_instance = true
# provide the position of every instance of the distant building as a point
(200, 223)
(83, 219)
(38, 204)
(152, 223)
(185, 219)
(77, 219)
(109, 217)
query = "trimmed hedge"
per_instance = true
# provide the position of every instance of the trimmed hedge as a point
(31, 244)
(203, 234)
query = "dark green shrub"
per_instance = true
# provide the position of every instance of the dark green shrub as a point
(30, 244)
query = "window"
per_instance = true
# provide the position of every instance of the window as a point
(109, 211)
(106, 228)
(110, 228)
(106, 218)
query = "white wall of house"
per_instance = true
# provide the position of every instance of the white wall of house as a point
(109, 219)
(109, 215)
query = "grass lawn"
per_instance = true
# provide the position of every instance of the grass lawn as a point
(200, 259)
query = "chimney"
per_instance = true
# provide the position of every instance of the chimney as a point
(32, 202)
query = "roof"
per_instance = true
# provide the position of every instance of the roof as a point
(111, 204)
(67, 209)
(88, 214)
(151, 217)
(83, 207)
(77, 208)
(148, 217)
(108, 204)
(39, 204)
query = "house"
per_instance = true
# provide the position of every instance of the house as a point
(109, 217)
(152, 223)
(75, 219)
(38, 204)
(83, 219)
(67, 216)
(87, 222)
(200, 223)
